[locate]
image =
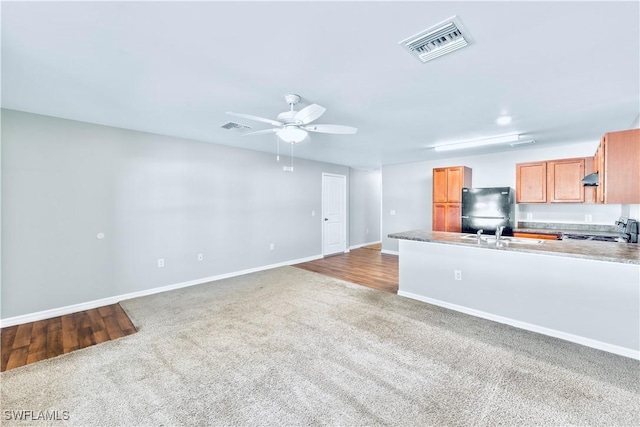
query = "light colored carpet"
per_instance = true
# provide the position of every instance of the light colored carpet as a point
(291, 347)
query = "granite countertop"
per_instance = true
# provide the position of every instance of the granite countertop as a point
(625, 253)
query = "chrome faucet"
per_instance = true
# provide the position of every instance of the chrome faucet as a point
(480, 235)
(499, 232)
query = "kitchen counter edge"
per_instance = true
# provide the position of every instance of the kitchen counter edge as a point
(625, 253)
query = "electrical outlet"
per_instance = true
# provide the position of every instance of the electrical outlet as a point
(393, 212)
(366, 231)
(313, 213)
(200, 257)
(160, 262)
(529, 216)
(457, 274)
(588, 218)
(272, 246)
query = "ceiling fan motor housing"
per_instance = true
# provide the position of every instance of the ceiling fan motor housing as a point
(288, 117)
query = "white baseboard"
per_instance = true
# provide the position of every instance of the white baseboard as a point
(611, 348)
(61, 311)
(364, 244)
(388, 252)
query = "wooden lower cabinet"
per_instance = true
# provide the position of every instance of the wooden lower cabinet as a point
(447, 217)
(544, 236)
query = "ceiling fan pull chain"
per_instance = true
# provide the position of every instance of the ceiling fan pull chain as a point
(291, 157)
(277, 149)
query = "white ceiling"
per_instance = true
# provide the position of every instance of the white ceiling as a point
(566, 71)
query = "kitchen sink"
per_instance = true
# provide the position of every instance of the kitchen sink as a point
(508, 240)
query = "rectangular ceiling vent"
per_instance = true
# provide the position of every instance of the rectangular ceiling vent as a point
(235, 126)
(443, 38)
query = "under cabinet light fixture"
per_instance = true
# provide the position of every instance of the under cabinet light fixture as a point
(504, 139)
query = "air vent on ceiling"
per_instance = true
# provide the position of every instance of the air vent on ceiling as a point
(235, 126)
(443, 38)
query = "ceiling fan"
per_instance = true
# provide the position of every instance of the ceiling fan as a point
(293, 126)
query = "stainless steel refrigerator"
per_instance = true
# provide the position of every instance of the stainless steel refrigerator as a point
(487, 209)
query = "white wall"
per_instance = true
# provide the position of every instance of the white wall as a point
(407, 189)
(365, 202)
(154, 197)
(554, 295)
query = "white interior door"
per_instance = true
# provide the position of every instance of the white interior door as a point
(334, 215)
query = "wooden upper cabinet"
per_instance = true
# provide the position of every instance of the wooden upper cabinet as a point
(455, 184)
(620, 152)
(599, 167)
(449, 182)
(564, 180)
(531, 182)
(440, 185)
(553, 181)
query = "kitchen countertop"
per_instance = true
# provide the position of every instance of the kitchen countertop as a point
(626, 253)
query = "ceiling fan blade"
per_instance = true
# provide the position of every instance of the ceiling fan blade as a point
(259, 119)
(337, 129)
(262, 132)
(309, 113)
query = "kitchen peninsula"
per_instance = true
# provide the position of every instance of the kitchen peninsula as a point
(581, 291)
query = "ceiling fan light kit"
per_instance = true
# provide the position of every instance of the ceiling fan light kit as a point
(292, 134)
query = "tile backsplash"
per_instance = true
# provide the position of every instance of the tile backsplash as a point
(572, 213)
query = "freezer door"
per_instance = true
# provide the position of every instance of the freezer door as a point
(486, 202)
(471, 224)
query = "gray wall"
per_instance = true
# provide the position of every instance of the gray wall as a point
(407, 189)
(364, 205)
(154, 197)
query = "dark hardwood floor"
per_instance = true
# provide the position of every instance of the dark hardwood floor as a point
(365, 266)
(35, 341)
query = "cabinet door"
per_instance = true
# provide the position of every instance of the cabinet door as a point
(447, 217)
(531, 182)
(600, 169)
(440, 185)
(564, 181)
(439, 217)
(622, 167)
(455, 180)
(453, 214)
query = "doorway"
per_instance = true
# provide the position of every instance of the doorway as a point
(334, 213)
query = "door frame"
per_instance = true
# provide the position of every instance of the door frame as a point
(344, 185)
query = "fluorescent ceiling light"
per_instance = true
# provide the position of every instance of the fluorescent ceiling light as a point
(505, 139)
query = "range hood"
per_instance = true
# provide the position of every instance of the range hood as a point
(590, 180)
